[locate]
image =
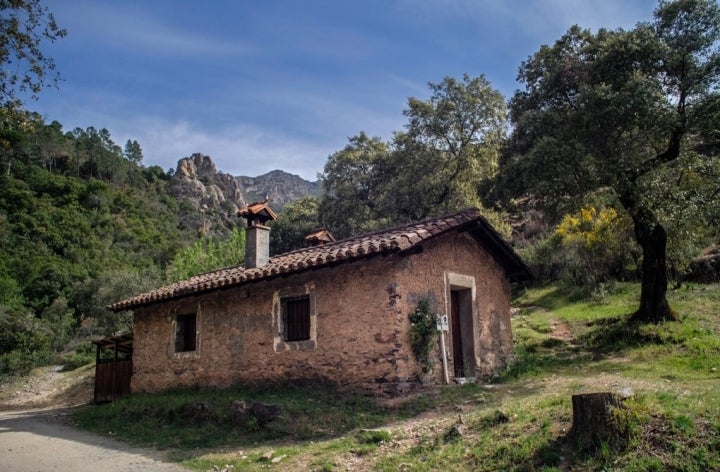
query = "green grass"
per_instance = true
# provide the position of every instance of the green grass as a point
(164, 421)
(521, 422)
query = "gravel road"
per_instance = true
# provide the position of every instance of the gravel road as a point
(35, 440)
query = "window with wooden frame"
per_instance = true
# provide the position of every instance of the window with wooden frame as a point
(186, 332)
(296, 318)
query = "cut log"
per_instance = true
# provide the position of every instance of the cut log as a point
(596, 422)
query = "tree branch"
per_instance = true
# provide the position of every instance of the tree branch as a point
(670, 154)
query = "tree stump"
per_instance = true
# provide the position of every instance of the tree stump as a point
(595, 423)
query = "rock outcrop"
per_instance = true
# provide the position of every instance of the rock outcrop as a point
(209, 199)
(279, 186)
(198, 180)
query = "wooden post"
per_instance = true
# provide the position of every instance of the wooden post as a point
(116, 366)
(594, 423)
(97, 367)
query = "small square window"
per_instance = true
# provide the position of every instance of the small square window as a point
(186, 333)
(296, 318)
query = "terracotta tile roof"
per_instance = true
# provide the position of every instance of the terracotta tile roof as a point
(396, 240)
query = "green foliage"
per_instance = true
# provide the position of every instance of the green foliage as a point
(59, 319)
(354, 182)
(451, 143)
(93, 295)
(62, 230)
(25, 341)
(586, 251)
(206, 255)
(26, 26)
(616, 111)
(373, 436)
(82, 226)
(308, 413)
(437, 165)
(423, 333)
(133, 151)
(688, 191)
(295, 222)
(78, 358)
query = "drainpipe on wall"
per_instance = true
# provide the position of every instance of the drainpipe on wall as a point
(442, 326)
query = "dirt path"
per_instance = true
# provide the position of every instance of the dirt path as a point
(47, 387)
(561, 330)
(36, 440)
(33, 439)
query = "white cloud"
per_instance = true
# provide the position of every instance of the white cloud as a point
(239, 150)
(130, 27)
(310, 84)
(533, 19)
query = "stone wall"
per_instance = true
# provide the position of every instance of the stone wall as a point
(431, 274)
(360, 324)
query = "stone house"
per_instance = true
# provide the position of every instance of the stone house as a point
(336, 311)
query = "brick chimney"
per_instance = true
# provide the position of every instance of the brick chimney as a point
(257, 240)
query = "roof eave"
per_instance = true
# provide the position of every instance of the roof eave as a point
(122, 306)
(515, 268)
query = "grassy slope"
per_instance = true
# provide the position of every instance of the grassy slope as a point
(520, 423)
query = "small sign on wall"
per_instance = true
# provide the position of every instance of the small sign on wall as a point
(442, 322)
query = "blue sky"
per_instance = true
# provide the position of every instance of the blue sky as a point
(281, 84)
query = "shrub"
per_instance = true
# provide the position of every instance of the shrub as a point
(586, 249)
(24, 341)
(76, 360)
(373, 436)
(423, 331)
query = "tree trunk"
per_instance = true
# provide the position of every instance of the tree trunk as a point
(594, 424)
(651, 237)
(654, 307)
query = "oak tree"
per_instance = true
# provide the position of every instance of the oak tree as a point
(354, 183)
(450, 144)
(612, 111)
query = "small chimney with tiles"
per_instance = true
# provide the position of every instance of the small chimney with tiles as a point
(319, 237)
(257, 240)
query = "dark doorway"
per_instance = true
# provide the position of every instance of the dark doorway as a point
(457, 347)
(462, 331)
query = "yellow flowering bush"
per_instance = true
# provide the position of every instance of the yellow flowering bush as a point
(588, 248)
(593, 229)
(595, 245)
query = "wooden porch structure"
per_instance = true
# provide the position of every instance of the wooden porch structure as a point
(113, 367)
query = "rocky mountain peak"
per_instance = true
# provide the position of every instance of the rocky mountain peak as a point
(278, 186)
(209, 199)
(196, 166)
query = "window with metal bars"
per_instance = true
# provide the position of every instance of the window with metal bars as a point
(296, 318)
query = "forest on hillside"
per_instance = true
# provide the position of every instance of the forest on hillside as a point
(603, 167)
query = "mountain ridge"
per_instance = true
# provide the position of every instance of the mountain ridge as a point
(209, 198)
